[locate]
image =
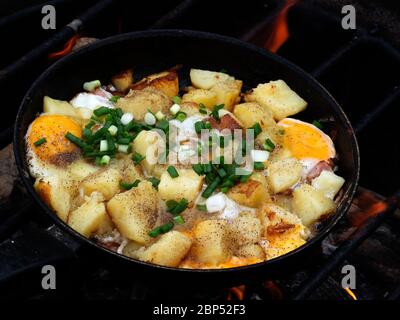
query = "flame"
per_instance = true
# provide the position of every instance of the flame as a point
(64, 51)
(236, 293)
(369, 206)
(274, 290)
(280, 29)
(351, 293)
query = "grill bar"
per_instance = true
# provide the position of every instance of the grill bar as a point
(172, 16)
(350, 244)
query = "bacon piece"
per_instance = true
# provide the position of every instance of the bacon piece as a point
(321, 166)
(281, 227)
(227, 121)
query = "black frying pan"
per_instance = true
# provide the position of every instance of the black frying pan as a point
(153, 51)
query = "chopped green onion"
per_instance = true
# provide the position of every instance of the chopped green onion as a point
(245, 178)
(77, 141)
(161, 229)
(123, 148)
(90, 124)
(177, 99)
(175, 109)
(198, 168)
(211, 188)
(171, 204)
(208, 125)
(181, 116)
(201, 207)
(224, 189)
(259, 166)
(172, 172)
(318, 124)
(137, 158)
(159, 115)
(215, 111)
(198, 126)
(124, 141)
(91, 85)
(128, 186)
(180, 207)
(103, 145)
(154, 181)
(207, 167)
(102, 111)
(257, 129)
(40, 142)
(203, 111)
(105, 160)
(221, 172)
(114, 99)
(179, 219)
(269, 145)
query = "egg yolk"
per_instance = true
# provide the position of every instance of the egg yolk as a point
(57, 149)
(304, 140)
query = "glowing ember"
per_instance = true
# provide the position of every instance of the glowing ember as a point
(280, 29)
(69, 45)
(236, 293)
(351, 293)
(274, 290)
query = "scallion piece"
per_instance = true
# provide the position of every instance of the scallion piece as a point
(105, 160)
(198, 168)
(181, 116)
(207, 167)
(257, 129)
(124, 141)
(224, 189)
(179, 219)
(180, 207)
(102, 111)
(201, 207)
(203, 111)
(128, 186)
(91, 85)
(172, 172)
(198, 126)
(77, 141)
(137, 157)
(114, 99)
(211, 188)
(177, 99)
(208, 125)
(154, 181)
(268, 145)
(39, 142)
(161, 229)
(259, 166)
(318, 124)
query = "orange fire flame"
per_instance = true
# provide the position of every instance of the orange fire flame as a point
(64, 51)
(274, 290)
(351, 293)
(236, 293)
(280, 29)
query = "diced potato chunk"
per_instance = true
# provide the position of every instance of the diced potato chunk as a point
(169, 250)
(310, 204)
(250, 113)
(252, 193)
(135, 212)
(282, 242)
(328, 183)
(283, 174)
(123, 80)
(227, 93)
(187, 185)
(272, 214)
(245, 230)
(211, 242)
(54, 106)
(89, 217)
(150, 145)
(55, 196)
(166, 82)
(129, 171)
(277, 97)
(81, 169)
(206, 97)
(105, 181)
(205, 79)
(139, 102)
(251, 251)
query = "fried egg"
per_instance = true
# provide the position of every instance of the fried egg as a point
(306, 141)
(57, 151)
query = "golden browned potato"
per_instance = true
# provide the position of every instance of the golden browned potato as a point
(56, 196)
(329, 183)
(283, 174)
(206, 97)
(272, 214)
(251, 251)
(106, 181)
(250, 113)
(169, 250)
(245, 230)
(123, 80)
(139, 102)
(135, 212)
(310, 204)
(227, 93)
(211, 242)
(80, 169)
(190, 108)
(166, 82)
(54, 106)
(251, 193)
(186, 186)
(205, 79)
(129, 171)
(89, 217)
(277, 97)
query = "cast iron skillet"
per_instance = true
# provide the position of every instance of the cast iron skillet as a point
(154, 51)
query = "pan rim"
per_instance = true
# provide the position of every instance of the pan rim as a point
(344, 202)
